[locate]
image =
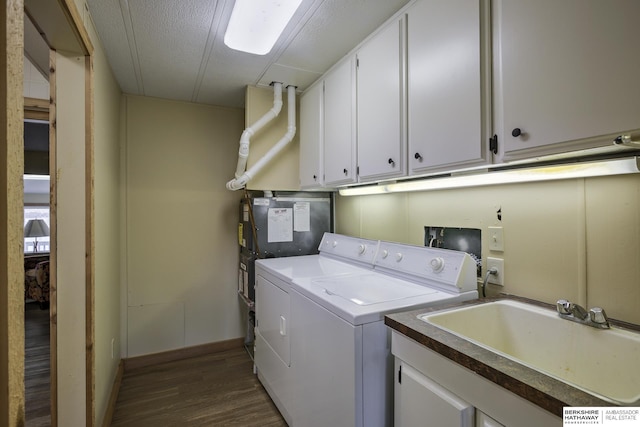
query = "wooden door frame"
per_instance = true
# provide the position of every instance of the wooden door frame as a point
(62, 28)
(11, 216)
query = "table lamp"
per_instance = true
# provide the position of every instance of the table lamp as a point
(36, 228)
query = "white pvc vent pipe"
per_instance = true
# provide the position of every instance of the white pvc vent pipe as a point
(245, 138)
(242, 176)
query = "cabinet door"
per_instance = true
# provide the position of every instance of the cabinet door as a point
(380, 94)
(311, 129)
(339, 125)
(446, 118)
(420, 401)
(483, 420)
(565, 71)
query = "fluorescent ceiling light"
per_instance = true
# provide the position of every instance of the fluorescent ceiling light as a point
(534, 174)
(255, 26)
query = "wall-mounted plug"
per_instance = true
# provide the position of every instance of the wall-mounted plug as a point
(498, 264)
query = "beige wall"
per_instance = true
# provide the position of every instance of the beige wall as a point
(181, 225)
(106, 96)
(574, 239)
(283, 171)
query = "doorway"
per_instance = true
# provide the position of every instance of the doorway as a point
(69, 63)
(37, 321)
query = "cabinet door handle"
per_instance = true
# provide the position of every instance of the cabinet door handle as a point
(345, 171)
(516, 132)
(391, 162)
(417, 156)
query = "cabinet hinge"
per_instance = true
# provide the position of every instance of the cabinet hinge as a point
(357, 62)
(400, 374)
(493, 144)
(357, 170)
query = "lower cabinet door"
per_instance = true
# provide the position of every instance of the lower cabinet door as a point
(421, 402)
(483, 420)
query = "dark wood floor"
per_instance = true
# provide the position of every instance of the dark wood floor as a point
(214, 390)
(36, 366)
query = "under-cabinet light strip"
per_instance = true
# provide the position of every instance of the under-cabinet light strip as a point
(545, 173)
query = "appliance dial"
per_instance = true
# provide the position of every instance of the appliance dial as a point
(385, 253)
(335, 243)
(362, 248)
(398, 257)
(437, 264)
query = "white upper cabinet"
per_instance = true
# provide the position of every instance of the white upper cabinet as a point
(340, 124)
(565, 74)
(311, 135)
(381, 105)
(447, 121)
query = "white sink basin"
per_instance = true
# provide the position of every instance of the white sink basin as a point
(602, 362)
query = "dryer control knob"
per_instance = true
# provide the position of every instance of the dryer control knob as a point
(385, 253)
(362, 248)
(335, 243)
(398, 257)
(437, 264)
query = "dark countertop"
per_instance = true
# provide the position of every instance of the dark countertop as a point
(538, 388)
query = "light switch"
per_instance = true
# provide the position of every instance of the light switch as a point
(496, 239)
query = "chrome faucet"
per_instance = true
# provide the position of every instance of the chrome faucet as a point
(596, 317)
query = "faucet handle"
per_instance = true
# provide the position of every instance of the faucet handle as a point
(597, 315)
(563, 306)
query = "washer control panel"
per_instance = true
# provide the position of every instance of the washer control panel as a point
(351, 248)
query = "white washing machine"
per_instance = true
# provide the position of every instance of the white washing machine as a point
(323, 351)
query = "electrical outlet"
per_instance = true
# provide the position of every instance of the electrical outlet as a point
(498, 264)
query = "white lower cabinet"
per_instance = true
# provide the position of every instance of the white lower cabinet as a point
(484, 420)
(420, 401)
(431, 390)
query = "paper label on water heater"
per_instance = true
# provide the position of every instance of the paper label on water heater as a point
(302, 216)
(261, 202)
(280, 225)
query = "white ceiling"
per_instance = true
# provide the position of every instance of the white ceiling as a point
(36, 184)
(174, 49)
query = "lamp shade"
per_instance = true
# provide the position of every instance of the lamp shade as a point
(36, 228)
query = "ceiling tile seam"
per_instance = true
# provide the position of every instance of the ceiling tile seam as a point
(206, 54)
(133, 47)
(282, 47)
